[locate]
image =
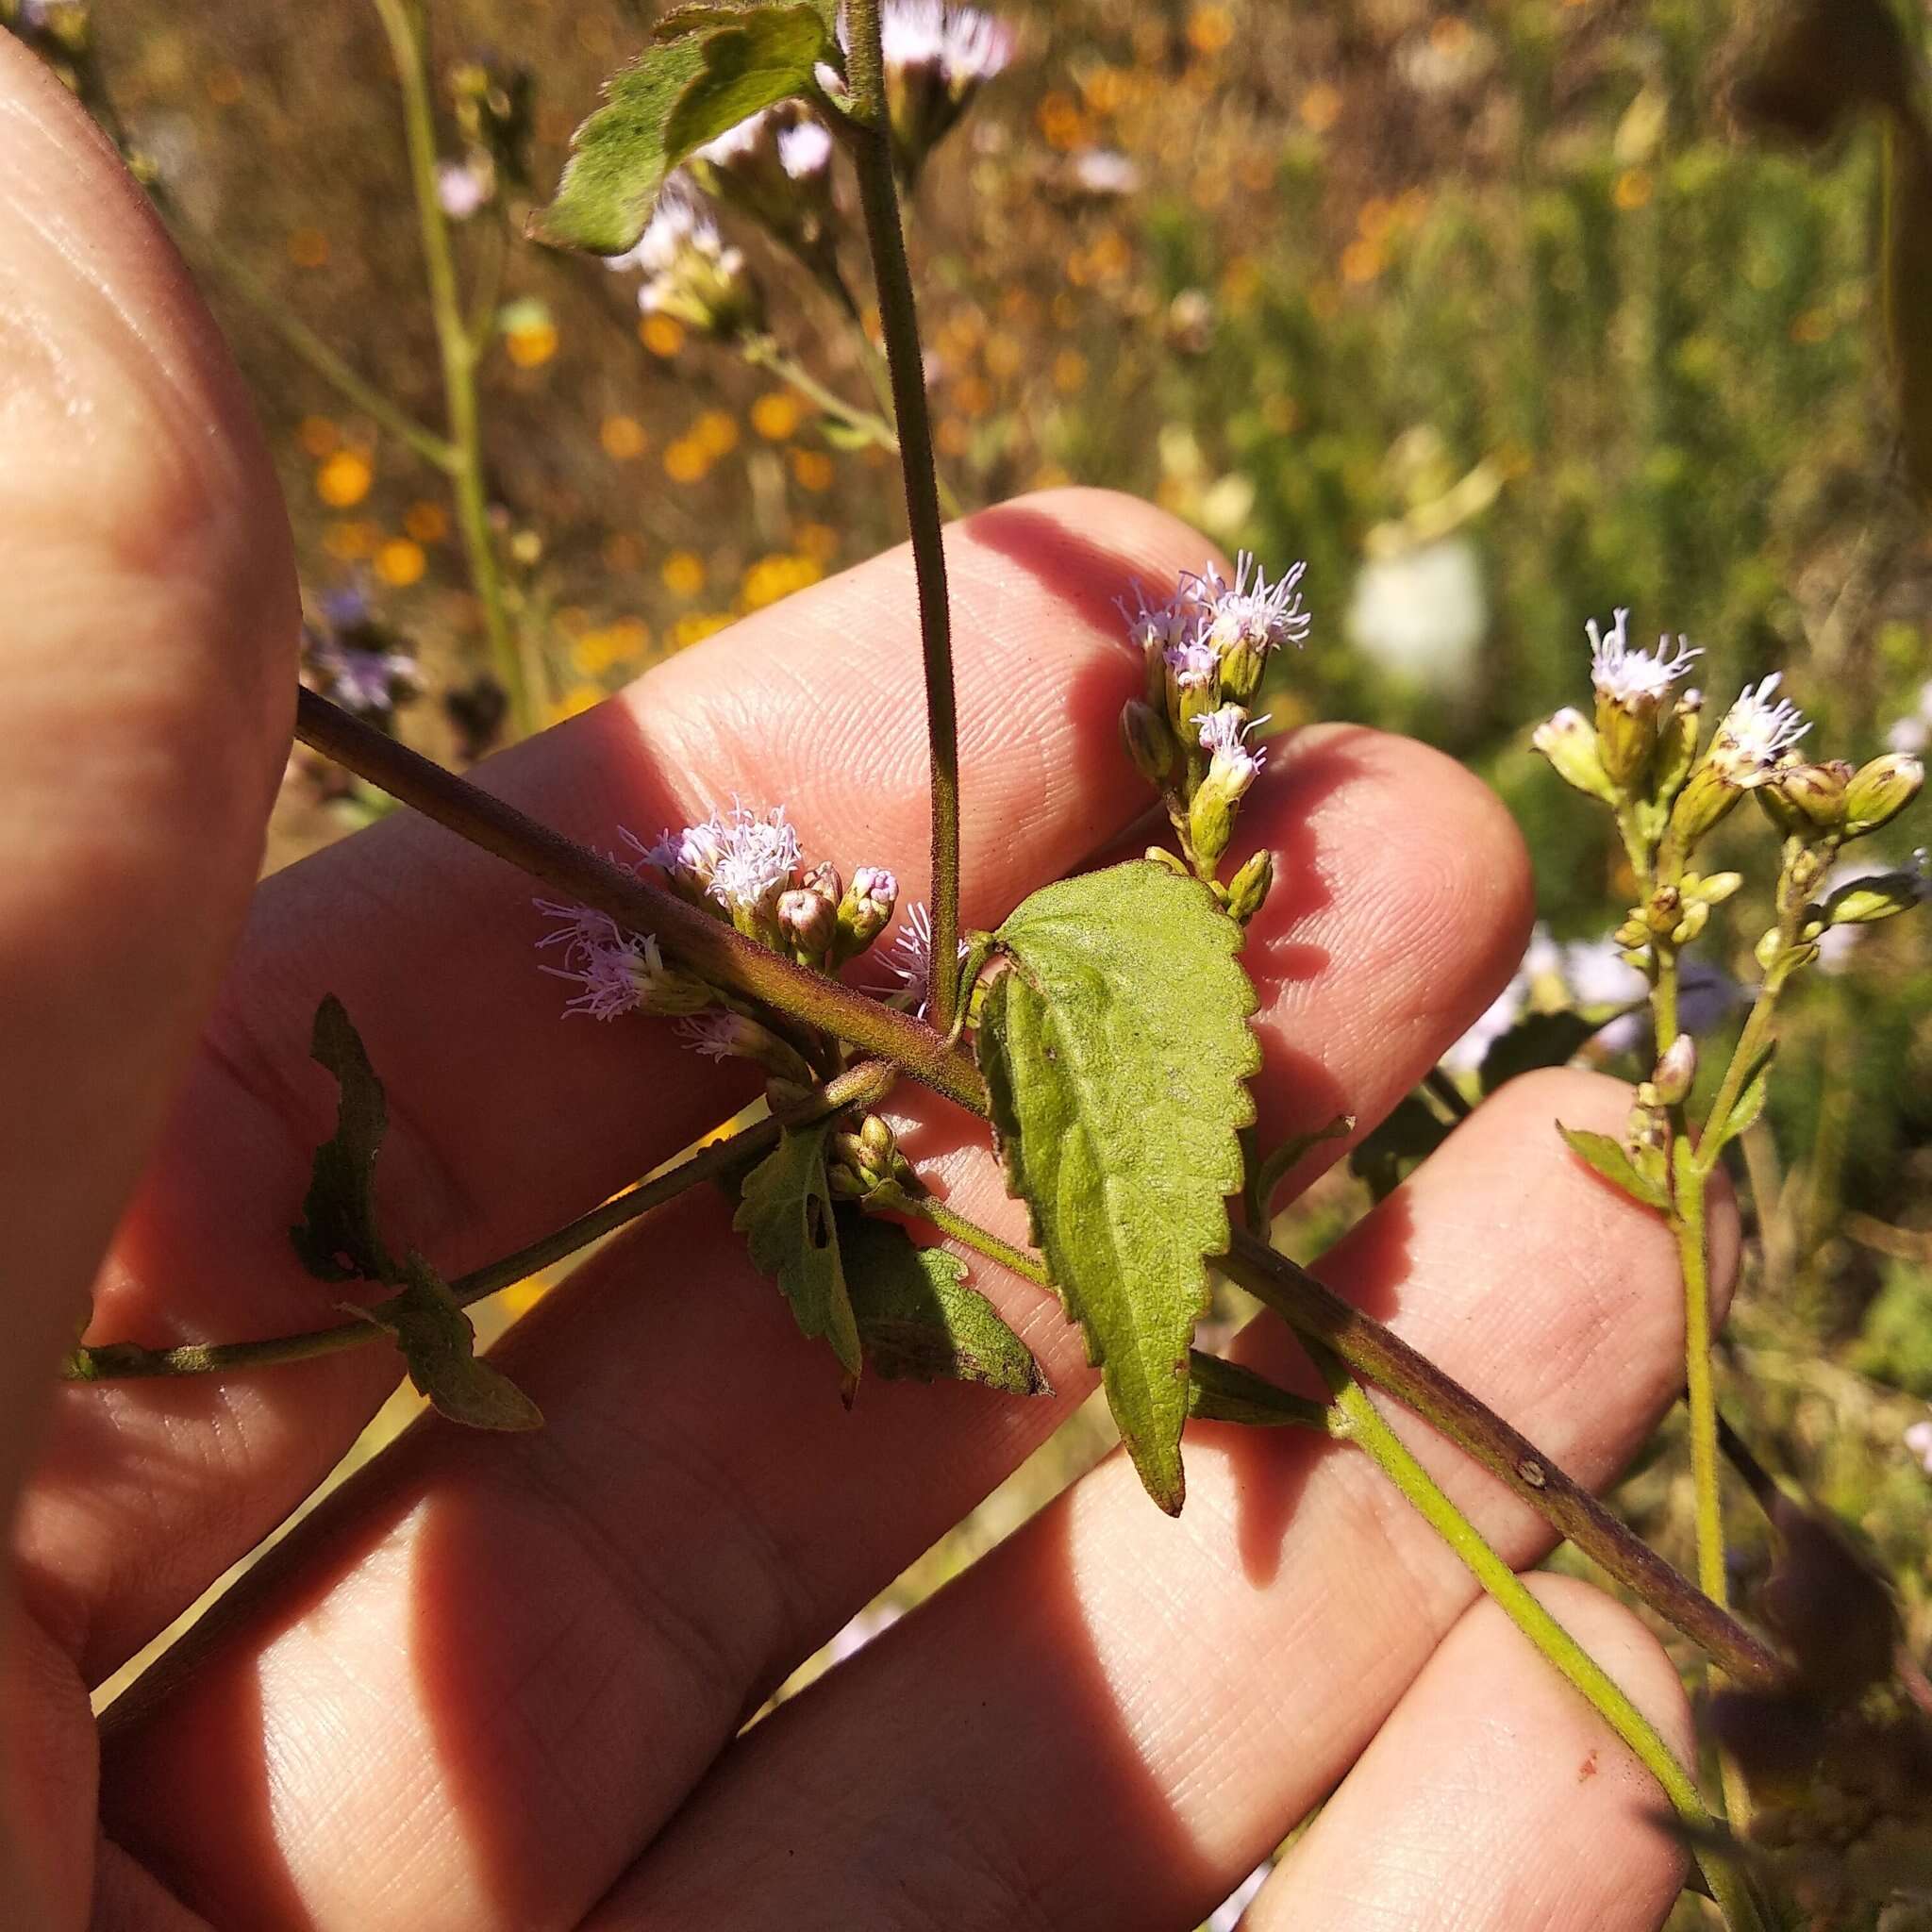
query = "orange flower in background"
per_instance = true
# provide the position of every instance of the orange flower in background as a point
(400, 563)
(622, 438)
(343, 481)
(309, 248)
(318, 436)
(683, 573)
(812, 470)
(775, 415)
(685, 462)
(427, 523)
(663, 335)
(1209, 30)
(532, 345)
(1320, 108)
(1633, 189)
(715, 433)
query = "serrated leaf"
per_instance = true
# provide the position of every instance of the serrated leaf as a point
(337, 1238)
(785, 1214)
(1116, 1047)
(919, 1319)
(710, 68)
(1410, 1134)
(1222, 1391)
(1749, 1105)
(1537, 1040)
(1611, 1159)
(439, 1347)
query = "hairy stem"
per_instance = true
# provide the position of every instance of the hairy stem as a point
(1358, 1420)
(1315, 1311)
(870, 145)
(119, 1361)
(522, 681)
(707, 946)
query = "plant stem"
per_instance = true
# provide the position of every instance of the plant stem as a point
(522, 681)
(761, 352)
(1315, 1311)
(707, 945)
(1700, 1394)
(1360, 1421)
(120, 1361)
(870, 144)
(356, 390)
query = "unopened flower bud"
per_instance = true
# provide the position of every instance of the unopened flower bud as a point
(1148, 741)
(1714, 889)
(1865, 901)
(865, 911)
(1677, 746)
(1816, 793)
(823, 880)
(1248, 890)
(809, 923)
(1676, 1072)
(1634, 933)
(737, 1035)
(1696, 917)
(1709, 793)
(1569, 743)
(1880, 791)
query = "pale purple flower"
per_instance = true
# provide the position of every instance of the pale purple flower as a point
(463, 188)
(962, 44)
(805, 149)
(1918, 1440)
(911, 956)
(873, 887)
(610, 976)
(714, 1035)
(690, 856)
(1597, 974)
(1224, 736)
(360, 679)
(1755, 733)
(1251, 611)
(1635, 678)
(1195, 665)
(758, 860)
(582, 930)
(1159, 627)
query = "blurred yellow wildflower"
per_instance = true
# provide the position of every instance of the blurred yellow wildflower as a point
(1210, 29)
(775, 415)
(531, 344)
(715, 432)
(683, 573)
(663, 335)
(343, 481)
(427, 523)
(577, 700)
(771, 578)
(400, 562)
(698, 626)
(812, 469)
(622, 438)
(685, 460)
(1320, 108)
(350, 541)
(1632, 189)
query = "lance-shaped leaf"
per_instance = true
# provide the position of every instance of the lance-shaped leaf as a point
(1116, 1046)
(785, 1214)
(710, 68)
(1224, 1392)
(338, 1239)
(918, 1318)
(438, 1345)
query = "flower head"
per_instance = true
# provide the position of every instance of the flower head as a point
(964, 46)
(805, 149)
(1251, 613)
(361, 668)
(1223, 738)
(1194, 662)
(755, 862)
(689, 270)
(1629, 677)
(1157, 627)
(910, 956)
(1757, 731)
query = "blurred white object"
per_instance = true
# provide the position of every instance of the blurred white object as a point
(1421, 615)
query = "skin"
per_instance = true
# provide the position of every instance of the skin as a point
(498, 1684)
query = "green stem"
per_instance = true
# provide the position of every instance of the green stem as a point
(1700, 1393)
(761, 352)
(705, 946)
(1663, 998)
(120, 1361)
(356, 390)
(1360, 1421)
(522, 681)
(870, 144)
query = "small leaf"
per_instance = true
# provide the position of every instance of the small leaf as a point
(338, 1239)
(1538, 1039)
(785, 1214)
(1272, 1171)
(1410, 1134)
(439, 1347)
(707, 69)
(1750, 1102)
(1222, 1392)
(918, 1318)
(1116, 1047)
(1611, 1160)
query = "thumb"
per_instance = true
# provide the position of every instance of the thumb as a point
(146, 684)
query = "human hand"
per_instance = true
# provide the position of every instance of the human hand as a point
(498, 1683)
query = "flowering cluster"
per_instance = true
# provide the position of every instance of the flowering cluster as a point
(777, 167)
(1204, 651)
(937, 56)
(689, 270)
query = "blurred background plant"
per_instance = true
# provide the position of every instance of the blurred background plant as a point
(1491, 312)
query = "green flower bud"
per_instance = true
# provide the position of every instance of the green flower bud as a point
(1713, 889)
(823, 880)
(1696, 917)
(1570, 746)
(1149, 742)
(1865, 901)
(1248, 890)
(1678, 745)
(1210, 821)
(1707, 796)
(1814, 794)
(809, 922)
(1880, 791)
(865, 911)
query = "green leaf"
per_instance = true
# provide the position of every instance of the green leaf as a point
(338, 1239)
(1537, 1040)
(1749, 1105)
(1613, 1162)
(1222, 1392)
(785, 1216)
(918, 1318)
(439, 1347)
(1410, 1134)
(1272, 1171)
(1116, 1045)
(707, 69)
